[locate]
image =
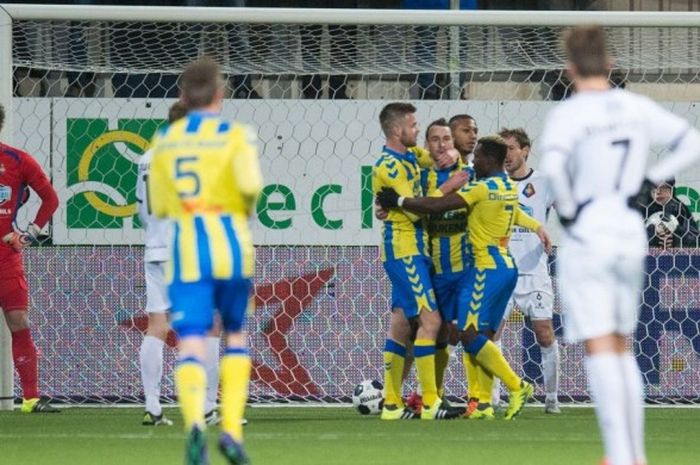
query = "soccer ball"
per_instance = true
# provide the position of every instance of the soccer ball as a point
(368, 397)
(663, 223)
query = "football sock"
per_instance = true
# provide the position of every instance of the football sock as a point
(485, 385)
(235, 374)
(496, 383)
(635, 405)
(212, 368)
(607, 387)
(424, 352)
(550, 369)
(151, 358)
(26, 362)
(489, 356)
(394, 355)
(442, 357)
(191, 380)
(470, 371)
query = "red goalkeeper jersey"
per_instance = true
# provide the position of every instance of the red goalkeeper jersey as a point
(19, 170)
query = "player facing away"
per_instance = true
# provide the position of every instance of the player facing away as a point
(492, 205)
(533, 293)
(19, 171)
(595, 149)
(205, 177)
(405, 258)
(158, 303)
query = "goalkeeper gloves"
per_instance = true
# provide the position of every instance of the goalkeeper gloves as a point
(388, 198)
(18, 240)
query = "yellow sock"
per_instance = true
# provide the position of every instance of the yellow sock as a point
(485, 385)
(442, 357)
(235, 374)
(424, 351)
(471, 371)
(394, 358)
(491, 358)
(191, 383)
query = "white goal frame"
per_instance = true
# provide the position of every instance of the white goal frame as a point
(13, 12)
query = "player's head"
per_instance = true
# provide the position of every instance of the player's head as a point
(177, 110)
(399, 124)
(518, 148)
(465, 132)
(664, 191)
(586, 52)
(201, 84)
(438, 140)
(489, 155)
(2, 117)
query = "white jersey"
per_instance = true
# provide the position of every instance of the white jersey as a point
(156, 229)
(595, 148)
(536, 198)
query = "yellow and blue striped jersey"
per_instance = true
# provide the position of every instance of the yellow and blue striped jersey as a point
(493, 210)
(449, 242)
(205, 176)
(403, 234)
(423, 157)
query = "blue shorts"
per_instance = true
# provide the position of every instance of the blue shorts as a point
(483, 301)
(411, 286)
(448, 287)
(194, 304)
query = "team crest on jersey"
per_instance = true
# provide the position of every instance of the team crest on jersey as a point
(5, 193)
(529, 190)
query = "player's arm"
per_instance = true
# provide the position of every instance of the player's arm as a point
(382, 179)
(246, 168)
(157, 186)
(526, 221)
(557, 150)
(389, 198)
(425, 161)
(37, 180)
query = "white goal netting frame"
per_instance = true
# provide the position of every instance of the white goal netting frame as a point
(90, 86)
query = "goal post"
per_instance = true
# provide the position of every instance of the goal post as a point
(93, 84)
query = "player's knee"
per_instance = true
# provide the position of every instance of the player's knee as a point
(430, 322)
(544, 335)
(17, 320)
(468, 336)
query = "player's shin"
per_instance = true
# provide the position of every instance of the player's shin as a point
(470, 371)
(635, 405)
(235, 375)
(489, 356)
(151, 358)
(212, 367)
(394, 359)
(191, 383)
(424, 352)
(442, 357)
(550, 370)
(24, 356)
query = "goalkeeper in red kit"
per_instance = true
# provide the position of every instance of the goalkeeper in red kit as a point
(18, 171)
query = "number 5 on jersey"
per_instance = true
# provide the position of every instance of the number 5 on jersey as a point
(187, 179)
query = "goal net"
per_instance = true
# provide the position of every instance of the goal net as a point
(88, 94)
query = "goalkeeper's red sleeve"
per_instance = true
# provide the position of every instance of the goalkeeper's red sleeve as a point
(49, 204)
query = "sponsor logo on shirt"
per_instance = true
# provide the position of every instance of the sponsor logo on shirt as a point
(5, 193)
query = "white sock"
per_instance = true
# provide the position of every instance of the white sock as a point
(550, 369)
(496, 391)
(634, 386)
(151, 357)
(212, 368)
(607, 385)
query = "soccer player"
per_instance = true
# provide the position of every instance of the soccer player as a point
(595, 147)
(157, 301)
(405, 258)
(492, 205)
(205, 177)
(465, 133)
(18, 170)
(533, 293)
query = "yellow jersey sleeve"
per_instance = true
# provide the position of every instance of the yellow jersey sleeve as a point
(388, 173)
(246, 168)
(473, 193)
(425, 161)
(525, 220)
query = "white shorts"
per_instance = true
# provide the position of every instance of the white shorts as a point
(157, 300)
(600, 291)
(533, 296)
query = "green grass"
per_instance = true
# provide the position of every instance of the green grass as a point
(328, 436)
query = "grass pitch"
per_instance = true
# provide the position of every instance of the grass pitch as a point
(330, 436)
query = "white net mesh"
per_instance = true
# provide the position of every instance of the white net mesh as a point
(89, 95)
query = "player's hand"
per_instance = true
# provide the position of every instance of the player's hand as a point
(388, 198)
(454, 182)
(546, 240)
(18, 240)
(379, 212)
